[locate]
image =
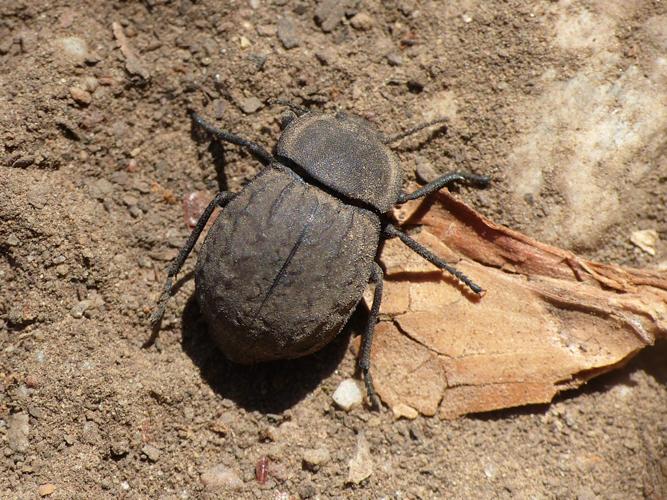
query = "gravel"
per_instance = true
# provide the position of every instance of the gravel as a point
(348, 395)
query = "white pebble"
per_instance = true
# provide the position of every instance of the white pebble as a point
(74, 47)
(348, 395)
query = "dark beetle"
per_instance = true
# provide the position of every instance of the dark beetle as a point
(287, 260)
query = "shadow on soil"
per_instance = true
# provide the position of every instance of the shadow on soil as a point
(267, 387)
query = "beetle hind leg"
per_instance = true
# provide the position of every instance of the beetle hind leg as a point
(221, 199)
(364, 365)
(424, 252)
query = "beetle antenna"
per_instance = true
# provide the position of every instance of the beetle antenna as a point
(414, 130)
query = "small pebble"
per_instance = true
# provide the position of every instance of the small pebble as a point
(119, 448)
(194, 204)
(79, 308)
(45, 490)
(81, 96)
(135, 211)
(646, 239)
(325, 56)
(74, 48)
(288, 33)
(18, 428)
(12, 240)
(394, 59)
(313, 459)
(329, 13)
(129, 200)
(424, 170)
(307, 490)
(90, 83)
(267, 30)
(90, 433)
(250, 105)
(262, 470)
(151, 452)
(362, 22)
(221, 477)
(347, 395)
(402, 410)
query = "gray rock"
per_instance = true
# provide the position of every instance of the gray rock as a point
(329, 13)
(288, 33)
(394, 59)
(18, 428)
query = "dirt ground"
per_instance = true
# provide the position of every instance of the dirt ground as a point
(563, 103)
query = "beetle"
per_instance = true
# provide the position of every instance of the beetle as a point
(287, 260)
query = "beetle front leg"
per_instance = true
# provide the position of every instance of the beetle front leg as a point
(253, 148)
(424, 252)
(377, 277)
(444, 180)
(221, 199)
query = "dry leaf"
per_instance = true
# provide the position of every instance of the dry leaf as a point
(133, 63)
(361, 464)
(549, 320)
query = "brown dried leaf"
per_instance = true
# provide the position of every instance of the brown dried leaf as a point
(549, 320)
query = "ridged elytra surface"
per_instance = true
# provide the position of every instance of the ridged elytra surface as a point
(346, 154)
(282, 268)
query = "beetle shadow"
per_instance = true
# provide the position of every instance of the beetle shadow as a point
(271, 387)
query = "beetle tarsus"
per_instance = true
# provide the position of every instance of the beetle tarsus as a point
(390, 230)
(221, 199)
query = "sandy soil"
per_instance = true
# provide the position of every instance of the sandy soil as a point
(562, 102)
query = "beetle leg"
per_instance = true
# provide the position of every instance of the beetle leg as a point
(444, 180)
(255, 149)
(413, 130)
(367, 339)
(296, 109)
(221, 199)
(390, 230)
